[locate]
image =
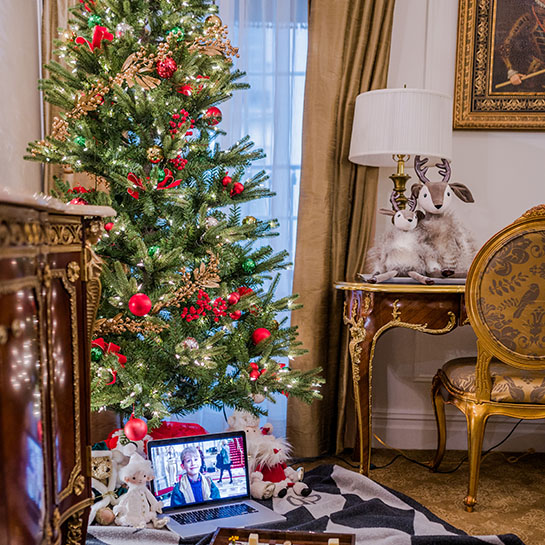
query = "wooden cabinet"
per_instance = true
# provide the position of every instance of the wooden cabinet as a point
(49, 291)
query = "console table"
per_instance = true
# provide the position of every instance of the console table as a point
(370, 310)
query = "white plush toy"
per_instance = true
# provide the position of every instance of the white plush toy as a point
(267, 455)
(123, 448)
(138, 506)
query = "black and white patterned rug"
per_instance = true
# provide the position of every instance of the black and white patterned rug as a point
(341, 501)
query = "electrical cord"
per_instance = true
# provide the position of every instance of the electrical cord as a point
(401, 454)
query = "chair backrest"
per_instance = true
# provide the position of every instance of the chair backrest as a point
(505, 293)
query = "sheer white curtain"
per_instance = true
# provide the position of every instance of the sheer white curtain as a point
(272, 41)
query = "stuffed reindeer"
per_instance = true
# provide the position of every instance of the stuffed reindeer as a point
(452, 243)
(402, 250)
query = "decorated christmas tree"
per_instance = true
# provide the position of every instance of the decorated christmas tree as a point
(188, 316)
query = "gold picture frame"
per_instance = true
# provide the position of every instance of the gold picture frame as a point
(498, 39)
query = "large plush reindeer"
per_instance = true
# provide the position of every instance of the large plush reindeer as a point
(453, 244)
(403, 250)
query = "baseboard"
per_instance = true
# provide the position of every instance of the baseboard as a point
(412, 430)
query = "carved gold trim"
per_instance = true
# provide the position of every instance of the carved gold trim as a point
(537, 212)
(76, 470)
(64, 234)
(399, 288)
(15, 232)
(72, 271)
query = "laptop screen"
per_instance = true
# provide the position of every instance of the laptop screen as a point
(199, 469)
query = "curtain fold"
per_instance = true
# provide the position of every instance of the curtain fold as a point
(348, 53)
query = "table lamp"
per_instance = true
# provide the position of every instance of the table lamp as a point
(393, 124)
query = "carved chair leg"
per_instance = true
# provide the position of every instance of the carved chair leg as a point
(439, 408)
(476, 422)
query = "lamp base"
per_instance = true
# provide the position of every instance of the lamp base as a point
(400, 182)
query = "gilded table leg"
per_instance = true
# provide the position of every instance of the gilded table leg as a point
(355, 317)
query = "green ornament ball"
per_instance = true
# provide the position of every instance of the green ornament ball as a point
(96, 353)
(248, 265)
(152, 250)
(179, 31)
(79, 140)
(93, 20)
(161, 175)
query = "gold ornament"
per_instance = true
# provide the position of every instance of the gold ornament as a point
(215, 41)
(154, 154)
(276, 325)
(213, 20)
(249, 220)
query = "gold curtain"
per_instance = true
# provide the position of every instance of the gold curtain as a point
(348, 53)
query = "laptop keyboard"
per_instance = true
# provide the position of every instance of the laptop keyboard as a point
(213, 513)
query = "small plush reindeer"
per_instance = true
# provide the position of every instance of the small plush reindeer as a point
(452, 243)
(403, 250)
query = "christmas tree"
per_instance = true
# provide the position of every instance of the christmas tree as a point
(188, 313)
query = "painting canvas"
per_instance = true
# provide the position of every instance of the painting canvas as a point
(500, 65)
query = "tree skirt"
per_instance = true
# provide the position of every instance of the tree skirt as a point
(341, 501)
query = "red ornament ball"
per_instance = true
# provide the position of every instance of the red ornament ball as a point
(237, 188)
(226, 180)
(109, 226)
(135, 429)
(139, 304)
(185, 90)
(235, 315)
(260, 334)
(166, 67)
(233, 298)
(78, 200)
(254, 375)
(213, 115)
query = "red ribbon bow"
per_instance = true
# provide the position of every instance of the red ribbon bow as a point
(100, 33)
(137, 182)
(168, 180)
(110, 348)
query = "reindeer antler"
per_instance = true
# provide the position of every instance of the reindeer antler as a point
(412, 201)
(393, 201)
(444, 169)
(420, 168)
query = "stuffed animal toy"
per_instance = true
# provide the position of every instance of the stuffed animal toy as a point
(452, 243)
(267, 456)
(123, 448)
(103, 482)
(138, 506)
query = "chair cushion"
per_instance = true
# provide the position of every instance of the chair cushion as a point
(509, 384)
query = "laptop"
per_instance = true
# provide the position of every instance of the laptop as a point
(205, 491)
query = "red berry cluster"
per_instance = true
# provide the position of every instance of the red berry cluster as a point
(178, 121)
(178, 162)
(203, 305)
(255, 372)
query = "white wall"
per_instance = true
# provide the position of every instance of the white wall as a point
(19, 97)
(504, 171)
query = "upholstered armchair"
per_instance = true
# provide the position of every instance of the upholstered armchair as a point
(505, 300)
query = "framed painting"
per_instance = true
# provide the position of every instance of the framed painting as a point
(500, 65)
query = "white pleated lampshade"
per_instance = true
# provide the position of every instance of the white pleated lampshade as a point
(401, 121)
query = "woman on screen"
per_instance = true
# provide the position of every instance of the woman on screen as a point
(193, 487)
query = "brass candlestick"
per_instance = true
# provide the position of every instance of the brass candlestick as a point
(400, 179)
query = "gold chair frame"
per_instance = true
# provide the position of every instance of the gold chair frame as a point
(478, 407)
